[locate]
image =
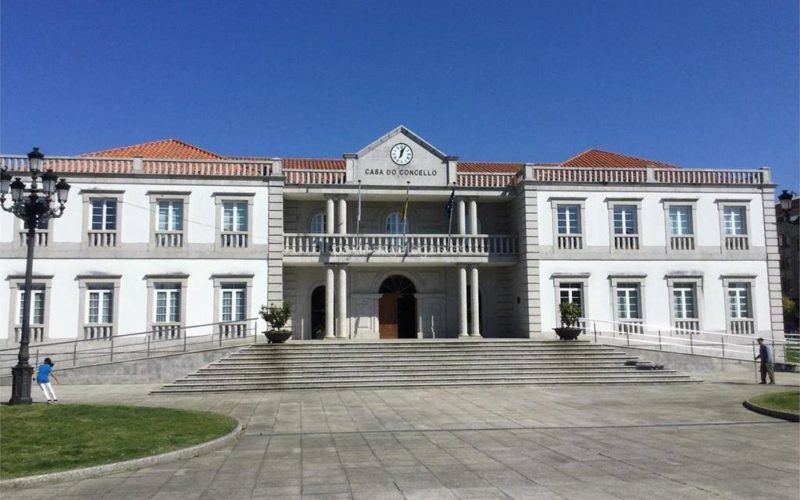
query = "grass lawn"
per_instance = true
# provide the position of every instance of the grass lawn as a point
(782, 401)
(35, 439)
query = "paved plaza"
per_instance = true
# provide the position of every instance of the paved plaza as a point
(582, 442)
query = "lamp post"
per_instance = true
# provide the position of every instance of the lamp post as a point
(33, 207)
(785, 199)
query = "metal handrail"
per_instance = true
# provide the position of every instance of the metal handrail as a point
(727, 346)
(105, 350)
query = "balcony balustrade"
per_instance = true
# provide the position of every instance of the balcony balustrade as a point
(36, 335)
(736, 243)
(40, 239)
(681, 243)
(169, 239)
(163, 331)
(742, 326)
(233, 240)
(570, 242)
(393, 244)
(231, 330)
(686, 326)
(102, 238)
(630, 326)
(98, 331)
(626, 242)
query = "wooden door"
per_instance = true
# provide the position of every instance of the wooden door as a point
(387, 316)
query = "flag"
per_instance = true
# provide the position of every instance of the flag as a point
(358, 215)
(448, 209)
(405, 207)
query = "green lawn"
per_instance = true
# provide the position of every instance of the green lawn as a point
(35, 439)
(793, 355)
(782, 401)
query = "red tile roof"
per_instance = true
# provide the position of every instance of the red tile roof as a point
(595, 158)
(313, 163)
(167, 148)
(489, 167)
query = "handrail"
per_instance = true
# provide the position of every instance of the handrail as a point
(682, 340)
(139, 345)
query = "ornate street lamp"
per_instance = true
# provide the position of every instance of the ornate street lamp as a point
(786, 200)
(33, 208)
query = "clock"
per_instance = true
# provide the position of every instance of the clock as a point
(401, 154)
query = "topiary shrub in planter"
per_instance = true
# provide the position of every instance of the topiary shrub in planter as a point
(570, 314)
(277, 317)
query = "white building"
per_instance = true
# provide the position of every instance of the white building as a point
(163, 236)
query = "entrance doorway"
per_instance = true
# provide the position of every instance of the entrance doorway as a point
(318, 313)
(397, 308)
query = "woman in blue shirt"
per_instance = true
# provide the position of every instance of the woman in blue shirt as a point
(43, 374)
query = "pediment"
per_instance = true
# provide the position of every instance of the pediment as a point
(422, 164)
(399, 134)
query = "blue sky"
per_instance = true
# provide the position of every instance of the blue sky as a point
(696, 83)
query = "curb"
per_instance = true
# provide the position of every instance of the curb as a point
(136, 463)
(791, 417)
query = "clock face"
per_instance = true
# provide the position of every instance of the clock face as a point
(401, 154)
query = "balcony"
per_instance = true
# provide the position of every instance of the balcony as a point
(736, 243)
(232, 239)
(681, 243)
(40, 239)
(103, 238)
(165, 331)
(742, 326)
(444, 245)
(169, 239)
(98, 331)
(232, 329)
(626, 242)
(686, 326)
(36, 335)
(570, 242)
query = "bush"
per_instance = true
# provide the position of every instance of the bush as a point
(277, 316)
(570, 314)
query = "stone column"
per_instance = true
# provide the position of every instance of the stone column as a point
(329, 334)
(474, 302)
(462, 302)
(473, 217)
(461, 214)
(341, 304)
(341, 222)
(330, 218)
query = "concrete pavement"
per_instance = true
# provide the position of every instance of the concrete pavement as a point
(640, 441)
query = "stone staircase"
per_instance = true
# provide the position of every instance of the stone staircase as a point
(387, 364)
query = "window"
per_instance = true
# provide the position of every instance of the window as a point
(625, 220)
(318, 223)
(680, 220)
(684, 301)
(168, 303)
(571, 292)
(100, 305)
(37, 311)
(628, 302)
(569, 219)
(234, 216)
(735, 223)
(395, 223)
(170, 215)
(104, 214)
(234, 302)
(739, 300)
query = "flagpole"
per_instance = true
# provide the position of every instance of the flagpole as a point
(358, 216)
(405, 215)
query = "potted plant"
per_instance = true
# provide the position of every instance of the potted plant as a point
(277, 317)
(570, 314)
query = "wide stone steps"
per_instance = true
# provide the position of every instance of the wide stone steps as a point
(340, 365)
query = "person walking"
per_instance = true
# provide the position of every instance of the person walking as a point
(767, 362)
(43, 374)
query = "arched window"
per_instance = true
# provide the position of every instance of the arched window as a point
(318, 223)
(468, 226)
(394, 223)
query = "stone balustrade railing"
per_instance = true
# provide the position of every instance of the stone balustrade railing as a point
(395, 244)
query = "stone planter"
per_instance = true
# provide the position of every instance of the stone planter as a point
(277, 336)
(568, 332)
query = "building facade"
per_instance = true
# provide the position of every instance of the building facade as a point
(789, 247)
(398, 240)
